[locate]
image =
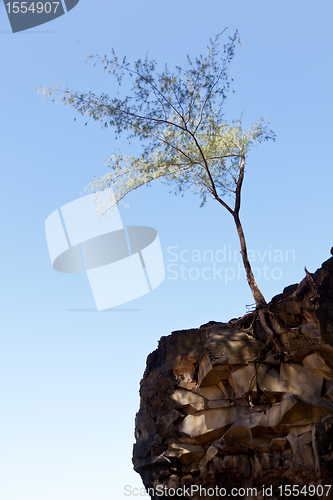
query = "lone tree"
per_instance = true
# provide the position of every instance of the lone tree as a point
(186, 142)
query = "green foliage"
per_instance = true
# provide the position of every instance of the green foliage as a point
(178, 119)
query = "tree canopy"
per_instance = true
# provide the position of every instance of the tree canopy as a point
(178, 118)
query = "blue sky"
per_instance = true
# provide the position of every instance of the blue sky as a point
(70, 379)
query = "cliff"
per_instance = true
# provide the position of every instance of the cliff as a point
(221, 409)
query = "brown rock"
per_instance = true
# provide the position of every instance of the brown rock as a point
(218, 410)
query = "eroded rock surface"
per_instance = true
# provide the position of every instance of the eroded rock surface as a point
(219, 408)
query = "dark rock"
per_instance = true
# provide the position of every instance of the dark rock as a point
(217, 412)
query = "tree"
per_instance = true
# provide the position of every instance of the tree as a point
(186, 141)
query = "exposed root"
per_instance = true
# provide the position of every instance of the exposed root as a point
(246, 322)
(271, 336)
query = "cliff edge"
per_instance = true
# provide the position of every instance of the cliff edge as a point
(221, 409)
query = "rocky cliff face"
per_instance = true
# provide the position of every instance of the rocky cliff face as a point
(220, 409)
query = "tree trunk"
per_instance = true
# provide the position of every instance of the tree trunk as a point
(257, 295)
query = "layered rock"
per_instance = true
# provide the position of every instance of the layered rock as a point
(221, 409)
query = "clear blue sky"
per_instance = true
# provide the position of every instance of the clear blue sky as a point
(70, 379)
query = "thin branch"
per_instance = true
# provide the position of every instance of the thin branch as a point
(145, 79)
(205, 162)
(134, 115)
(239, 186)
(225, 205)
(208, 97)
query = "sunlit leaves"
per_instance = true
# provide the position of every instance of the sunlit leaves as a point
(178, 119)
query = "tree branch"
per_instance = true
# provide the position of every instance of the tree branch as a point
(239, 186)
